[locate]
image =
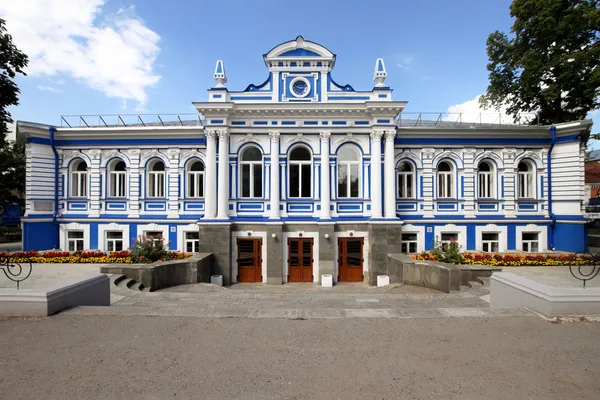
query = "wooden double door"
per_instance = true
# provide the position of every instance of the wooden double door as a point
(300, 259)
(249, 259)
(350, 259)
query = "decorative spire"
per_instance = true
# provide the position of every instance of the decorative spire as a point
(219, 74)
(380, 73)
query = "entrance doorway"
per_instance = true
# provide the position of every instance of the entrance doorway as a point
(249, 260)
(300, 259)
(350, 259)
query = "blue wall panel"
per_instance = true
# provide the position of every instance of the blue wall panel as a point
(512, 237)
(570, 237)
(429, 237)
(40, 236)
(471, 237)
(132, 233)
(172, 236)
(93, 235)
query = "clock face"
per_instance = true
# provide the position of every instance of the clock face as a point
(300, 88)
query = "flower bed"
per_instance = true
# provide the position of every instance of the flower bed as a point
(90, 257)
(507, 260)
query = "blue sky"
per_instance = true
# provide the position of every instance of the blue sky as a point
(151, 56)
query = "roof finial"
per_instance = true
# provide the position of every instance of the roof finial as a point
(380, 73)
(219, 74)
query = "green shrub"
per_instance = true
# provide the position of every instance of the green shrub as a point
(447, 252)
(147, 249)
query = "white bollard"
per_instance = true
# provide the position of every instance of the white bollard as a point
(327, 280)
(383, 280)
(217, 280)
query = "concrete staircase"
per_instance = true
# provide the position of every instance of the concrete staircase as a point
(481, 282)
(125, 283)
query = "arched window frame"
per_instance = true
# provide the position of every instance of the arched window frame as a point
(255, 169)
(526, 180)
(406, 181)
(117, 179)
(292, 164)
(352, 168)
(155, 179)
(79, 178)
(446, 180)
(486, 182)
(195, 179)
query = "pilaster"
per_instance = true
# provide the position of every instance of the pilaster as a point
(274, 184)
(508, 189)
(325, 175)
(210, 195)
(470, 179)
(134, 183)
(376, 187)
(427, 187)
(223, 186)
(173, 182)
(389, 187)
(95, 184)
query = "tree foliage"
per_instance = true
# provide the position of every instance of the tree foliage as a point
(12, 173)
(550, 64)
(12, 62)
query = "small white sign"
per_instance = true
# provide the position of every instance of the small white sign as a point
(173, 229)
(429, 229)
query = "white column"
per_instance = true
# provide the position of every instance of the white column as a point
(94, 183)
(274, 203)
(325, 186)
(376, 187)
(134, 183)
(210, 195)
(390, 192)
(223, 196)
(173, 180)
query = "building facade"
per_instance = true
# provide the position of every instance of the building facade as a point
(300, 176)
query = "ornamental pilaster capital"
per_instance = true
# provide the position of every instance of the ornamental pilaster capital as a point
(390, 135)
(211, 135)
(274, 135)
(223, 134)
(325, 136)
(376, 135)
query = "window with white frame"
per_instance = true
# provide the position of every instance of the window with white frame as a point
(74, 240)
(300, 174)
(114, 241)
(79, 179)
(406, 180)
(409, 243)
(530, 242)
(155, 236)
(525, 180)
(349, 163)
(116, 179)
(156, 179)
(449, 238)
(490, 242)
(445, 174)
(485, 180)
(195, 182)
(192, 242)
(251, 173)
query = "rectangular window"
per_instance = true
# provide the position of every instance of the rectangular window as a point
(445, 185)
(305, 180)
(257, 181)
(117, 184)
(489, 242)
(192, 242)
(75, 240)
(530, 242)
(448, 238)
(409, 243)
(114, 241)
(485, 185)
(196, 184)
(79, 184)
(405, 185)
(156, 184)
(245, 180)
(157, 236)
(342, 180)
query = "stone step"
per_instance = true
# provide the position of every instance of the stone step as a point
(116, 279)
(138, 286)
(463, 288)
(125, 283)
(475, 284)
(484, 280)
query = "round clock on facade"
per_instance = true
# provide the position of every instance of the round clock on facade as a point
(299, 87)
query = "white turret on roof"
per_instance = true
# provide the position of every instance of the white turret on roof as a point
(219, 74)
(380, 73)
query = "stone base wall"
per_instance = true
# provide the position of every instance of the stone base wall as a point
(216, 239)
(384, 239)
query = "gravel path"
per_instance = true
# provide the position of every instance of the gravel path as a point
(140, 357)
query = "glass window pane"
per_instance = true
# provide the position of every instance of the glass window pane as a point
(75, 234)
(200, 185)
(191, 185)
(192, 235)
(409, 236)
(300, 154)
(494, 246)
(252, 154)
(490, 236)
(530, 236)
(342, 180)
(534, 246)
(294, 180)
(257, 180)
(449, 236)
(400, 185)
(71, 245)
(306, 181)
(245, 180)
(412, 247)
(347, 154)
(354, 182)
(409, 186)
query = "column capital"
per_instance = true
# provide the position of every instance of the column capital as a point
(389, 135)
(325, 136)
(376, 135)
(274, 135)
(214, 133)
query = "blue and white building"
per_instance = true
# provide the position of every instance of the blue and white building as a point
(299, 176)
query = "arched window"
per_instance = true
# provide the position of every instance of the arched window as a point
(251, 173)
(116, 179)
(300, 175)
(485, 180)
(156, 179)
(79, 179)
(406, 180)
(195, 183)
(525, 182)
(349, 164)
(445, 180)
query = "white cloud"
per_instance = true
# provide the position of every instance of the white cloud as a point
(406, 62)
(472, 111)
(49, 89)
(111, 53)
